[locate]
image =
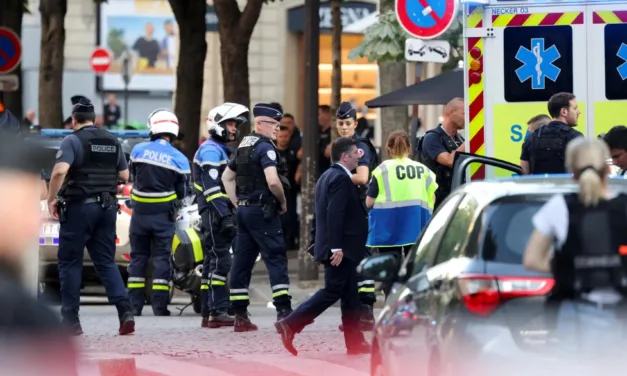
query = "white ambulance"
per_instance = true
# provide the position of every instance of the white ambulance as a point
(519, 53)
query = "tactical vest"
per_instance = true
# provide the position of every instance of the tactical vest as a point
(443, 174)
(249, 176)
(594, 255)
(97, 172)
(548, 149)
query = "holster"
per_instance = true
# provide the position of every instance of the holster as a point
(62, 209)
(270, 207)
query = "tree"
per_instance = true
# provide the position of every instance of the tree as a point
(235, 28)
(336, 55)
(190, 16)
(384, 43)
(51, 63)
(11, 13)
(454, 36)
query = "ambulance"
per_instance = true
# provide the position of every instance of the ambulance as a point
(519, 53)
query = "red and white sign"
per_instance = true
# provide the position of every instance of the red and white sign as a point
(426, 19)
(100, 60)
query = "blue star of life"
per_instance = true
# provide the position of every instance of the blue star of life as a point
(537, 64)
(622, 53)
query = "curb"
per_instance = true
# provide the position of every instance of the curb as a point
(106, 364)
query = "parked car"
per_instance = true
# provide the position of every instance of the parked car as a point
(462, 303)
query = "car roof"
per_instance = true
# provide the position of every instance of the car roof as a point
(491, 189)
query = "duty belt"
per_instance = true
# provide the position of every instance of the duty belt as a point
(249, 203)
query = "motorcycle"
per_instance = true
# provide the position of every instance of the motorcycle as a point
(187, 252)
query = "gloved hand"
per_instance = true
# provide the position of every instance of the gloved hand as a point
(227, 226)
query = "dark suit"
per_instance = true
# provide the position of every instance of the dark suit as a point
(340, 222)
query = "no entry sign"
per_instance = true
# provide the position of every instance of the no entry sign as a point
(10, 50)
(100, 60)
(426, 19)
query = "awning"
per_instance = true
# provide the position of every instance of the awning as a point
(437, 90)
(360, 26)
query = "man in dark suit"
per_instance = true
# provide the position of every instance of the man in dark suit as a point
(340, 229)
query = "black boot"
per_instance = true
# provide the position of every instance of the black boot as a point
(73, 327)
(243, 324)
(127, 324)
(367, 317)
(219, 319)
(283, 313)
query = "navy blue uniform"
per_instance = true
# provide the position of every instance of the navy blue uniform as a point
(545, 148)
(160, 174)
(257, 233)
(95, 158)
(369, 159)
(215, 207)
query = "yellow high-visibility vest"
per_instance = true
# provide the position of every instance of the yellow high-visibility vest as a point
(404, 204)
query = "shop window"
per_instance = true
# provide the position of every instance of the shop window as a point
(359, 78)
(538, 62)
(616, 61)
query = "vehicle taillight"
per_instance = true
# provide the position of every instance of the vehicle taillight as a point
(482, 294)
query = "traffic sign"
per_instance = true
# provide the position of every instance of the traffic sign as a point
(426, 19)
(10, 50)
(100, 60)
(9, 82)
(427, 51)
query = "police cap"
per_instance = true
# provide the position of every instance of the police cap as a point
(268, 110)
(77, 98)
(346, 111)
(83, 106)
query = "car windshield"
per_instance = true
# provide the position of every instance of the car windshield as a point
(507, 228)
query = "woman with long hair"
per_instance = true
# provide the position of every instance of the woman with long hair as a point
(401, 197)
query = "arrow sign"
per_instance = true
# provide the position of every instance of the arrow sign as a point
(426, 19)
(10, 50)
(100, 60)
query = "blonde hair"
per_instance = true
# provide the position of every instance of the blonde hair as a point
(586, 159)
(398, 144)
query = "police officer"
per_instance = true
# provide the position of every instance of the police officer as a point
(544, 151)
(255, 187)
(218, 224)
(346, 123)
(82, 196)
(160, 178)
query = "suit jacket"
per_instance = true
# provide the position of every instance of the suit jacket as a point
(340, 217)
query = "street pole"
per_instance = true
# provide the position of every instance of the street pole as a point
(307, 268)
(126, 76)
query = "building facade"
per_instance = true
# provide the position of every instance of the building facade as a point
(148, 30)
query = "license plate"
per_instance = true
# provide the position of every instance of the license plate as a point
(50, 229)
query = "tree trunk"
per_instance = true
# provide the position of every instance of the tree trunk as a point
(11, 12)
(190, 70)
(51, 64)
(392, 76)
(235, 28)
(336, 57)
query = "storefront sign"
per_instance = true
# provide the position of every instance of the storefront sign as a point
(148, 29)
(352, 11)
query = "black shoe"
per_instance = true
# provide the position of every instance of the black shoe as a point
(205, 322)
(367, 318)
(283, 313)
(161, 312)
(287, 336)
(127, 324)
(243, 324)
(220, 319)
(358, 349)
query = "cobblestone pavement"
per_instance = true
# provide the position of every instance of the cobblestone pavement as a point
(177, 345)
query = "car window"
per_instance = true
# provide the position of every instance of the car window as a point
(427, 245)
(458, 230)
(508, 228)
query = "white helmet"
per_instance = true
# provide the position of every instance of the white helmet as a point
(219, 115)
(163, 121)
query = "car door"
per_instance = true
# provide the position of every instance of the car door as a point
(466, 163)
(404, 324)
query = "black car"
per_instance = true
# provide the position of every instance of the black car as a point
(462, 303)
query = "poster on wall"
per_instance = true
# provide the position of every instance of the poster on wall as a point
(148, 31)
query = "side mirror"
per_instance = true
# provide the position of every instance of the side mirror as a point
(381, 268)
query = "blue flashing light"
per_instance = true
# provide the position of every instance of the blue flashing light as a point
(51, 133)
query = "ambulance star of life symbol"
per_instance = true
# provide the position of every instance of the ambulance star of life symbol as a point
(537, 64)
(622, 53)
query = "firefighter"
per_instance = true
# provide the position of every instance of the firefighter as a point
(160, 175)
(218, 224)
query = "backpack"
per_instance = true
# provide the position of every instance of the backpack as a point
(419, 154)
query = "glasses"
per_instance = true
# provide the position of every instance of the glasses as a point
(276, 124)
